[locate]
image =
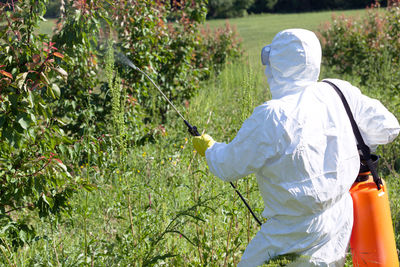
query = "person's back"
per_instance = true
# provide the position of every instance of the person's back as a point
(317, 143)
(302, 149)
(306, 184)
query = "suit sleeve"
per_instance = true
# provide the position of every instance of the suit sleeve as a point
(378, 126)
(253, 145)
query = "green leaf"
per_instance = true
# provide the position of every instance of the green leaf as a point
(44, 78)
(62, 72)
(49, 200)
(24, 121)
(20, 80)
(31, 99)
(56, 90)
(22, 235)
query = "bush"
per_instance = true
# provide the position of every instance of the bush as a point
(34, 175)
(56, 125)
(215, 48)
(165, 42)
(367, 49)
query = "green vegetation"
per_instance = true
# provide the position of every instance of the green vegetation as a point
(240, 8)
(62, 123)
(139, 195)
(258, 30)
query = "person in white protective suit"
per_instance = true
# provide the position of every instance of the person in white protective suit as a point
(301, 146)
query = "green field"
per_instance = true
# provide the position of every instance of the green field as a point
(161, 205)
(258, 30)
(47, 27)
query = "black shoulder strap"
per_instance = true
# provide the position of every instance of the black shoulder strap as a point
(365, 151)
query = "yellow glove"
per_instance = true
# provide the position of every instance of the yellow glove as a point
(201, 143)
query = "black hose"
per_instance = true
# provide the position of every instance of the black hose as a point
(193, 131)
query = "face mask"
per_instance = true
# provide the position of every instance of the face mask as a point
(265, 54)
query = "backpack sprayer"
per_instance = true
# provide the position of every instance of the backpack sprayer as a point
(192, 129)
(372, 239)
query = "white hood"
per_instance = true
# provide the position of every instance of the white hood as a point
(294, 61)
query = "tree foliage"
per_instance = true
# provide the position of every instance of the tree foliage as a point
(55, 99)
(32, 175)
(238, 8)
(228, 8)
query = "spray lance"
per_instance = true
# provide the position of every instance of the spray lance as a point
(192, 129)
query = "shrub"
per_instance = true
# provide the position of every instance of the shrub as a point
(367, 49)
(34, 178)
(164, 40)
(215, 48)
(364, 46)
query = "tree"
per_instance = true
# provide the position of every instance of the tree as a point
(228, 8)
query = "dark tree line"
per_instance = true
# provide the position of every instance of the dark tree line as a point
(235, 8)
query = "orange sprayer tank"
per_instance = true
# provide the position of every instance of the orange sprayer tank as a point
(372, 239)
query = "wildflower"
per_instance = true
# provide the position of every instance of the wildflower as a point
(117, 171)
(138, 171)
(181, 147)
(144, 154)
(169, 158)
(186, 139)
(82, 167)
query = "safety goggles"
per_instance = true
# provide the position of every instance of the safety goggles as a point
(265, 54)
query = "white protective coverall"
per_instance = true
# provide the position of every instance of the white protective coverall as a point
(303, 151)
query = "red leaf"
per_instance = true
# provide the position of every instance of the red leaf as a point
(57, 54)
(5, 73)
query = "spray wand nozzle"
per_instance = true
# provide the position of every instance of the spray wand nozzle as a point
(192, 129)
